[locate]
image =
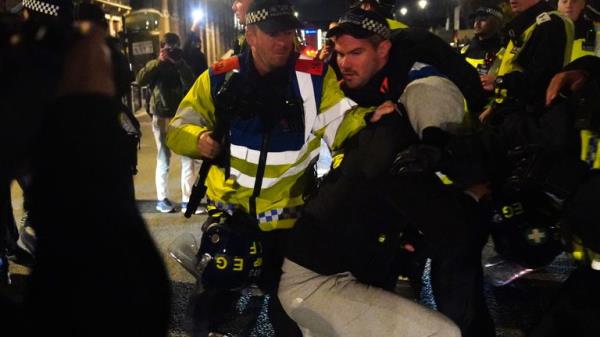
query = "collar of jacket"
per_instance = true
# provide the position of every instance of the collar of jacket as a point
(519, 24)
(274, 78)
(370, 94)
(582, 26)
(492, 43)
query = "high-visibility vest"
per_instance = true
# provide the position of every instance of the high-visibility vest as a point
(511, 52)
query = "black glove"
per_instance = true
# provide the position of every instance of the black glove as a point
(525, 164)
(418, 158)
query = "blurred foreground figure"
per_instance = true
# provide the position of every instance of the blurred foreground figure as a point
(96, 273)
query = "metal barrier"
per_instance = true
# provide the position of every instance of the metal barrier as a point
(139, 97)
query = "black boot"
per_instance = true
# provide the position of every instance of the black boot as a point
(4, 272)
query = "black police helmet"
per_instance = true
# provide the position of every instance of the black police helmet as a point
(525, 228)
(383, 7)
(61, 10)
(235, 251)
(485, 12)
(91, 12)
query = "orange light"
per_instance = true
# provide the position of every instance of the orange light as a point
(310, 51)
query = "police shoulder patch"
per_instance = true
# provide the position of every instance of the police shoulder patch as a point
(313, 67)
(225, 66)
(544, 17)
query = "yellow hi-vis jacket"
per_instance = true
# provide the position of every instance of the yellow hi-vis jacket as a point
(395, 24)
(476, 63)
(328, 115)
(585, 39)
(511, 53)
(579, 51)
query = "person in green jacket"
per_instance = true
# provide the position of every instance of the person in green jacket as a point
(169, 78)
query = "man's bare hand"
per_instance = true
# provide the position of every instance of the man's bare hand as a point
(479, 191)
(207, 146)
(483, 117)
(385, 108)
(163, 56)
(488, 82)
(572, 80)
(195, 27)
(324, 53)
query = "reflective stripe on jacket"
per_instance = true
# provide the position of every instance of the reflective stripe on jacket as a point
(327, 114)
(510, 55)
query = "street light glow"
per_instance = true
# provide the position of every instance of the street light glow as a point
(422, 4)
(197, 15)
(403, 11)
(296, 14)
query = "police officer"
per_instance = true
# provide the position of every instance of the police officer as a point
(576, 303)
(278, 108)
(584, 42)
(539, 45)
(169, 78)
(523, 225)
(481, 51)
(348, 232)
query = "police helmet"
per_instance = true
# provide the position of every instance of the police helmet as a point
(383, 7)
(525, 227)
(62, 9)
(232, 249)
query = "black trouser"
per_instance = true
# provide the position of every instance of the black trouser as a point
(454, 232)
(274, 244)
(8, 228)
(574, 310)
(457, 277)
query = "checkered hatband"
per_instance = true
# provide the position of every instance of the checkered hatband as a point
(258, 16)
(376, 27)
(41, 7)
(271, 12)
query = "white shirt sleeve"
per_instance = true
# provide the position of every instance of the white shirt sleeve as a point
(434, 101)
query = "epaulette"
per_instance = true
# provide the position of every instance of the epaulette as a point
(313, 67)
(225, 66)
(544, 17)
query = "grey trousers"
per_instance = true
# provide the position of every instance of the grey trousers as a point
(340, 306)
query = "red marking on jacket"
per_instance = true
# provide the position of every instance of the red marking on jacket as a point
(313, 67)
(225, 66)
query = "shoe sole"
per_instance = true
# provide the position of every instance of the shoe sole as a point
(197, 212)
(163, 211)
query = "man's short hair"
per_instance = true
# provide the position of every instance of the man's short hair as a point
(171, 40)
(375, 40)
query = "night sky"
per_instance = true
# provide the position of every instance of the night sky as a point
(320, 12)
